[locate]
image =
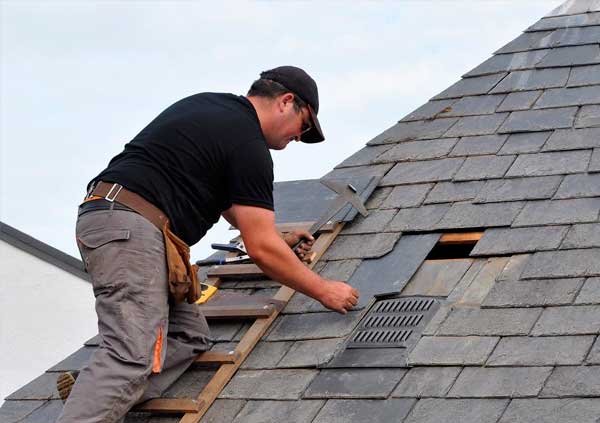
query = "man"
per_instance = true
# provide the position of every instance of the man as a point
(205, 156)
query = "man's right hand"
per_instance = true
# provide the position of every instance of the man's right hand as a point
(338, 296)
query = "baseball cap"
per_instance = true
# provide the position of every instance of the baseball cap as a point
(302, 85)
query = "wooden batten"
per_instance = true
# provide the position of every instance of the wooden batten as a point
(460, 238)
(169, 406)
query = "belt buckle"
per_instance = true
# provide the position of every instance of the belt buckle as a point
(112, 199)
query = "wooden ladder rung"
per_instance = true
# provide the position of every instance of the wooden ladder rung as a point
(218, 357)
(237, 311)
(235, 270)
(169, 406)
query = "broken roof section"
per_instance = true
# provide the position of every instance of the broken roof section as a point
(512, 149)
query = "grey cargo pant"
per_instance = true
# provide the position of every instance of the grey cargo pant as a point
(141, 333)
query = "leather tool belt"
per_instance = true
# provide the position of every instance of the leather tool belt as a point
(183, 276)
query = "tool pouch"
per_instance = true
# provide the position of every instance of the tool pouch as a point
(183, 277)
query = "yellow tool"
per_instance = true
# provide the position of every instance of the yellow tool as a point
(206, 291)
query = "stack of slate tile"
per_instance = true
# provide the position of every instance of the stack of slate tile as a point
(513, 150)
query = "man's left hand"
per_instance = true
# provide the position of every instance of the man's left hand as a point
(292, 238)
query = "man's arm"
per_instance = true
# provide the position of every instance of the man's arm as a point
(271, 253)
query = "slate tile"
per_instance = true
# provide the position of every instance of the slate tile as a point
(590, 293)
(477, 125)
(540, 351)
(568, 320)
(588, 117)
(93, 341)
(563, 97)
(339, 270)
(429, 110)
(75, 361)
(191, 383)
(568, 410)
(360, 411)
(533, 293)
(484, 144)
(376, 170)
(301, 303)
(595, 161)
(437, 277)
(41, 388)
(406, 196)
(452, 351)
(489, 322)
(555, 163)
(515, 189)
(571, 56)
(406, 131)
(584, 75)
(572, 7)
(279, 411)
(539, 120)
(418, 150)
(475, 105)
(573, 381)
(532, 80)
(449, 192)
(509, 62)
(375, 222)
(559, 211)
(572, 37)
(573, 139)
(581, 185)
(563, 264)
(527, 142)
(481, 284)
(391, 273)
(423, 382)
(354, 383)
(464, 215)
(222, 411)
(310, 353)
(471, 86)
(224, 331)
(420, 172)
(594, 355)
(313, 326)
(274, 384)
(266, 355)
(484, 167)
(499, 382)
(368, 358)
(37, 411)
(566, 21)
(521, 240)
(361, 246)
(377, 198)
(441, 410)
(418, 219)
(519, 100)
(513, 269)
(365, 156)
(524, 42)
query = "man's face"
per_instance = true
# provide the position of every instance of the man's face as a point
(289, 123)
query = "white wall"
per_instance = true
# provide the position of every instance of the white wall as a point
(46, 314)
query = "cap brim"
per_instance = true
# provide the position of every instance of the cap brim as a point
(315, 134)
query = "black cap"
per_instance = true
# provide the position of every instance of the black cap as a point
(301, 84)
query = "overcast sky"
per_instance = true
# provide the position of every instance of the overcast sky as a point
(79, 79)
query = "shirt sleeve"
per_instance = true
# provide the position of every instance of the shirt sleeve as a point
(250, 175)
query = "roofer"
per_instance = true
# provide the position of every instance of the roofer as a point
(203, 157)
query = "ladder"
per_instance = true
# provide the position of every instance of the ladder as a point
(264, 310)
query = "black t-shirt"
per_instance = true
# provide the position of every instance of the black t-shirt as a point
(197, 158)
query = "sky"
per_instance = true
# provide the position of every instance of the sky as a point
(79, 79)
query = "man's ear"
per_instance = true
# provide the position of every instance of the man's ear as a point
(284, 99)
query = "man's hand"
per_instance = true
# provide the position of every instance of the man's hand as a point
(292, 238)
(338, 296)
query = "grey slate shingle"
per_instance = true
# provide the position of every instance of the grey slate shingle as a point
(483, 144)
(274, 384)
(539, 120)
(533, 293)
(354, 383)
(572, 36)
(364, 156)
(406, 196)
(450, 350)
(568, 320)
(549, 212)
(441, 410)
(278, 411)
(418, 150)
(465, 215)
(594, 355)
(573, 381)
(476, 125)
(361, 246)
(553, 163)
(339, 270)
(429, 110)
(41, 412)
(490, 322)
(375, 222)
(552, 410)
(590, 293)
(509, 62)
(584, 75)
(533, 80)
(475, 105)
(520, 100)
(422, 218)
(294, 327)
(378, 197)
(571, 56)
(581, 185)
(437, 277)
(406, 131)
(566, 21)
(369, 358)
(360, 411)
(521, 240)
(563, 97)
(266, 355)
(524, 42)
(531, 188)
(540, 351)
(498, 382)
(527, 142)
(595, 161)
(588, 117)
(420, 172)
(422, 382)
(573, 139)
(484, 167)
(310, 353)
(445, 192)
(221, 411)
(514, 267)
(563, 264)
(471, 86)
(377, 170)
(572, 7)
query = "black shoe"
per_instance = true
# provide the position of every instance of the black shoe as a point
(65, 383)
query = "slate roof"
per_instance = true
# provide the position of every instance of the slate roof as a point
(512, 149)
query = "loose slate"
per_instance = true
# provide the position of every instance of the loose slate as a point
(510, 241)
(313, 326)
(392, 272)
(361, 246)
